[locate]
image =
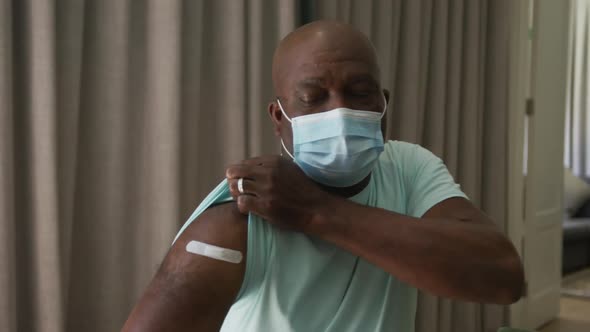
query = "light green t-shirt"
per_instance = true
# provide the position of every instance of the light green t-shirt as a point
(294, 282)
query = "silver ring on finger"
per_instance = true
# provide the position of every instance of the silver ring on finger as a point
(241, 185)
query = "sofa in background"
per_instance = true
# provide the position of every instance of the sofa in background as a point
(576, 224)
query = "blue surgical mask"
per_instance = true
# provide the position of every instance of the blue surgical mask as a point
(337, 148)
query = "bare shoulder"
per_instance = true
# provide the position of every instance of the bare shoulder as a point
(221, 225)
(193, 292)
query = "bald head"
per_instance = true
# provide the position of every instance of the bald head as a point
(318, 43)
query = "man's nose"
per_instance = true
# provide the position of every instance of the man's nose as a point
(337, 101)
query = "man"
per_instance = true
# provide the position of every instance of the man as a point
(337, 234)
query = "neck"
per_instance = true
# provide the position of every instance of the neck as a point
(347, 191)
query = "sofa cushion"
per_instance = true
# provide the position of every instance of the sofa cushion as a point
(576, 229)
(576, 192)
(583, 211)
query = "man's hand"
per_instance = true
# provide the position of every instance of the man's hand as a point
(276, 189)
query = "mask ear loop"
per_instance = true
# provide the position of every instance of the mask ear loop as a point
(283, 111)
(285, 148)
(287, 117)
(384, 107)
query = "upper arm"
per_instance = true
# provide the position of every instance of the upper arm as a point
(458, 208)
(434, 192)
(428, 182)
(193, 292)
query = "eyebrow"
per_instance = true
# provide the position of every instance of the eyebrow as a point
(310, 82)
(362, 78)
(315, 82)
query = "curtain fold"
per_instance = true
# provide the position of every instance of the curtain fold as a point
(445, 63)
(577, 117)
(7, 172)
(112, 115)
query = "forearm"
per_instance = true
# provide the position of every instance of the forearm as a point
(465, 260)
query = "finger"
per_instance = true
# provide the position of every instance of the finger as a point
(243, 171)
(248, 203)
(250, 187)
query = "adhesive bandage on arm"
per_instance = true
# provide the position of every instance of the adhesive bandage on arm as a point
(215, 252)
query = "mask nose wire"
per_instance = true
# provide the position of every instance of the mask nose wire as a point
(287, 117)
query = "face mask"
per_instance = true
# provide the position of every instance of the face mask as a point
(337, 148)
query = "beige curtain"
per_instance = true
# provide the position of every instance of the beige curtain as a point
(446, 65)
(116, 118)
(577, 123)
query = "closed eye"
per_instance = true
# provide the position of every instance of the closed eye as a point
(312, 98)
(362, 88)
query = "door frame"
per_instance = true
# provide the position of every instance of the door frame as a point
(518, 93)
(520, 85)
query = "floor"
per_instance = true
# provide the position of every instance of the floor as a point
(574, 313)
(574, 316)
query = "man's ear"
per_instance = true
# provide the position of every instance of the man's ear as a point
(276, 116)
